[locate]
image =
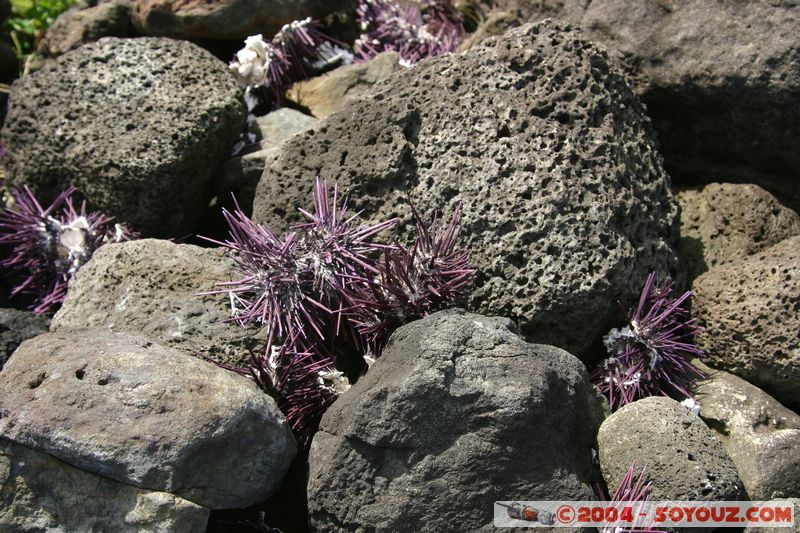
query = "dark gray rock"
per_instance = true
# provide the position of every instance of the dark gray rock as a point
(87, 23)
(151, 287)
(750, 312)
(760, 435)
(40, 493)
(130, 410)
(725, 222)
(17, 326)
(684, 459)
(139, 126)
(227, 19)
(566, 206)
(458, 411)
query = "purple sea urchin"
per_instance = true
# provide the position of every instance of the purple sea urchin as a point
(48, 246)
(650, 355)
(330, 295)
(297, 51)
(414, 30)
(632, 489)
(413, 282)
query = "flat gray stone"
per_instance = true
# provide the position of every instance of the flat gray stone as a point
(151, 287)
(40, 493)
(327, 94)
(125, 408)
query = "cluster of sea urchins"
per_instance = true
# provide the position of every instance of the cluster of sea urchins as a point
(650, 356)
(45, 247)
(329, 295)
(415, 30)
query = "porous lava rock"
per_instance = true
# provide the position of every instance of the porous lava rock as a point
(683, 458)
(721, 80)
(151, 287)
(751, 313)
(760, 435)
(40, 493)
(544, 145)
(125, 408)
(724, 222)
(227, 19)
(139, 126)
(458, 412)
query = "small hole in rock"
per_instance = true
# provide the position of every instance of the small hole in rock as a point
(80, 373)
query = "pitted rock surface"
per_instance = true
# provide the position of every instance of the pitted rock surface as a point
(566, 206)
(684, 459)
(125, 408)
(457, 411)
(725, 222)
(227, 19)
(151, 287)
(751, 313)
(761, 436)
(721, 80)
(139, 126)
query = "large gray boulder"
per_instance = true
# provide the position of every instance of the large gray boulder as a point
(760, 435)
(139, 126)
(683, 458)
(17, 326)
(125, 408)
(40, 493)
(720, 79)
(457, 413)
(750, 312)
(724, 222)
(566, 207)
(151, 287)
(227, 19)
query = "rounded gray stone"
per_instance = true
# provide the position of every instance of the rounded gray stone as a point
(761, 435)
(125, 408)
(566, 206)
(139, 126)
(458, 412)
(683, 458)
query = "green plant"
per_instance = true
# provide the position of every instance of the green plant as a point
(29, 19)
